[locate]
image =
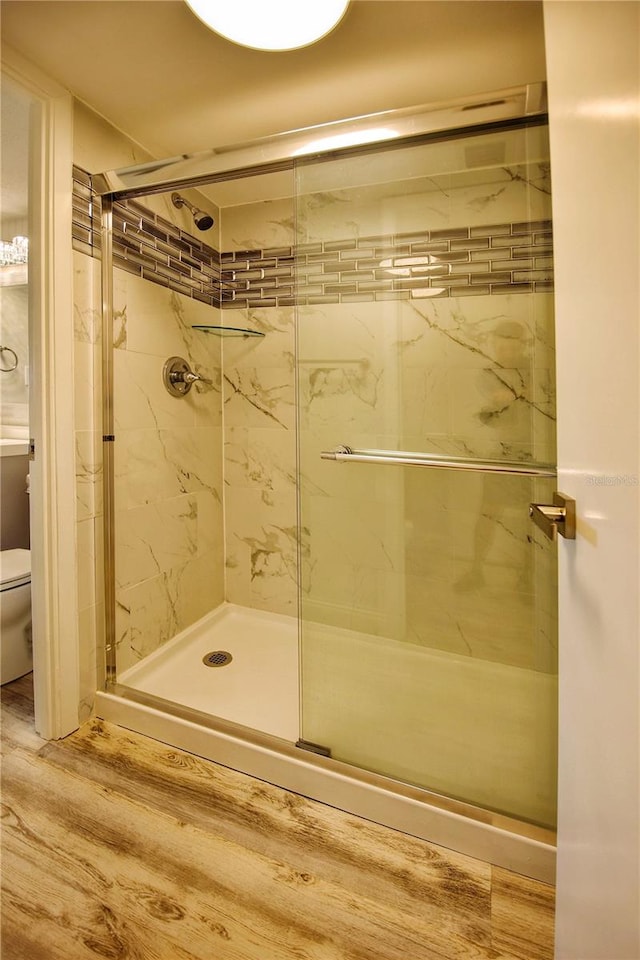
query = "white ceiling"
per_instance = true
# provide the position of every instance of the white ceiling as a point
(160, 76)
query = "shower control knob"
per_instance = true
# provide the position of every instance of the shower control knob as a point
(178, 377)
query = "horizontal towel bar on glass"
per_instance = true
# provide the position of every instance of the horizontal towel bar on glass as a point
(346, 455)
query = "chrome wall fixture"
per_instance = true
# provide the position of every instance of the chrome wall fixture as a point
(202, 220)
(178, 377)
(12, 363)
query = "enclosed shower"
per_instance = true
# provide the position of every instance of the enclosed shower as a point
(326, 418)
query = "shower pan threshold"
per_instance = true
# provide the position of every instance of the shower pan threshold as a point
(171, 696)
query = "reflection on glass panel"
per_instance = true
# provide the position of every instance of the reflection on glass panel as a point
(428, 597)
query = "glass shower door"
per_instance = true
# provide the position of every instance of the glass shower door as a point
(428, 597)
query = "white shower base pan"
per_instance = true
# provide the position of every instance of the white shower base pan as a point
(246, 716)
(258, 689)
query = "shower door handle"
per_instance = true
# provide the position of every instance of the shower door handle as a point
(557, 517)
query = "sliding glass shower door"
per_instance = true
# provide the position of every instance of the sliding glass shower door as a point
(425, 358)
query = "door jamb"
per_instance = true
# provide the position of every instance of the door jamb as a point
(54, 580)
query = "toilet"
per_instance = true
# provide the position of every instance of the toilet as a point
(15, 614)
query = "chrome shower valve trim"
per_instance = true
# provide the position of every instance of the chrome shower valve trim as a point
(178, 377)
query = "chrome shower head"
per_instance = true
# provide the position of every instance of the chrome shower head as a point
(202, 220)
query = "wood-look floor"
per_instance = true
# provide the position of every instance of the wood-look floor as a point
(115, 846)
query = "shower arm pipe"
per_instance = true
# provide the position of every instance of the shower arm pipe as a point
(345, 454)
(341, 137)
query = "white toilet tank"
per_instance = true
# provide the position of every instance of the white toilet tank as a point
(16, 657)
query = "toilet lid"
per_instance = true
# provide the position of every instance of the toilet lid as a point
(15, 567)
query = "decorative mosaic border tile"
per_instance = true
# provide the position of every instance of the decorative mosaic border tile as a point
(148, 245)
(501, 258)
(465, 261)
(86, 215)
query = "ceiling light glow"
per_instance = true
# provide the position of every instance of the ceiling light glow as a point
(427, 265)
(270, 24)
(348, 139)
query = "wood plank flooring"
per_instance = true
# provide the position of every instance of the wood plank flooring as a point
(115, 846)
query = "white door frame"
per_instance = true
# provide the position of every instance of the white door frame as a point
(52, 471)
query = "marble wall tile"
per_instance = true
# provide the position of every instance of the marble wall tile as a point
(147, 619)
(354, 564)
(89, 475)
(87, 298)
(87, 313)
(340, 593)
(505, 195)
(276, 348)
(153, 538)
(142, 401)
(92, 656)
(97, 147)
(159, 321)
(260, 462)
(253, 226)
(464, 370)
(155, 464)
(89, 551)
(87, 398)
(491, 573)
(259, 397)
(199, 586)
(168, 468)
(452, 377)
(261, 550)
(155, 610)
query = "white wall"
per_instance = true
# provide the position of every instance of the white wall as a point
(593, 76)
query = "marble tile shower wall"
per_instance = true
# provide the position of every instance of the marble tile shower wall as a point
(455, 371)
(168, 461)
(473, 259)
(473, 375)
(89, 474)
(168, 468)
(260, 427)
(258, 396)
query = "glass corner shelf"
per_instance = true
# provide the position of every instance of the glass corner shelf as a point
(226, 331)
